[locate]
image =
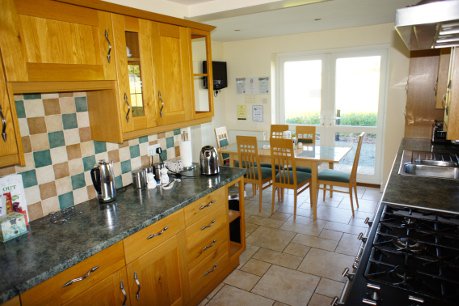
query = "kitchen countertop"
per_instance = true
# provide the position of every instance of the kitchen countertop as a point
(51, 248)
(430, 193)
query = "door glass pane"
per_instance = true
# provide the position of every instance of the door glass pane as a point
(201, 93)
(134, 73)
(367, 152)
(357, 90)
(302, 91)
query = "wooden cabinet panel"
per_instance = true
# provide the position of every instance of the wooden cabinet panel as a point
(442, 78)
(206, 226)
(211, 246)
(204, 206)
(155, 277)
(61, 289)
(205, 272)
(451, 114)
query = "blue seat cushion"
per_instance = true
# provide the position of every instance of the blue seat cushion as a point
(302, 169)
(265, 173)
(300, 176)
(334, 175)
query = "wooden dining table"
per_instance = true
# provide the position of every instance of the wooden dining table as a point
(307, 156)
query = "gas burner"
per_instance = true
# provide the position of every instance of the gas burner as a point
(407, 222)
(408, 244)
(403, 274)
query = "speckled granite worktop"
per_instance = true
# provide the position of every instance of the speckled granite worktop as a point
(51, 248)
(430, 193)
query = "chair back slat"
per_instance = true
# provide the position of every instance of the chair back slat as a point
(277, 130)
(355, 164)
(283, 162)
(306, 134)
(247, 150)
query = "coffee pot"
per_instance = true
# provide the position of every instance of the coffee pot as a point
(103, 180)
(209, 161)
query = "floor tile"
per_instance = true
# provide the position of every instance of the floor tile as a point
(309, 229)
(248, 253)
(250, 228)
(332, 235)
(297, 249)
(329, 287)
(278, 258)
(287, 286)
(319, 300)
(348, 245)
(270, 238)
(264, 221)
(346, 228)
(316, 242)
(256, 267)
(231, 296)
(326, 264)
(241, 280)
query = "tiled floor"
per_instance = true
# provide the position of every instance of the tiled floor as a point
(295, 263)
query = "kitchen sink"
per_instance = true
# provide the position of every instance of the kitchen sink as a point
(428, 164)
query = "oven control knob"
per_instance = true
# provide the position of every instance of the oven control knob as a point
(360, 237)
(336, 302)
(368, 222)
(348, 274)
(376, 289)
(418, 300)
(369, 302)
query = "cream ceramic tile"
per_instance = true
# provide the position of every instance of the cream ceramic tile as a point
(71, 136)
(45, 174)
(39, 142)
(270, 238)
(143, 148)
(319, 300)
(49, 96)
(348, 245)
(117, 169)
(112, 146)
(241, 280)
(316, 242)
(329, 287)
(32, 194)
(23, 127)
(80, 195)
(231, 296)
(136, 163)
(171, 153)
(125, 154)
(82, 119)
(256, 267)
(50, 205)
(103, 155)
(325, 263)
(287, 286)
(75, 166)
(67, 105)
(79, 94)
(278, 258)
(127, 178)
(64, 185)
(297, 249)
(54, 123)
(87, 148)
(34, 108)
(329, 234)
(59, 155)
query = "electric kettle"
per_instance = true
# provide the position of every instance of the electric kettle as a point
(103, 180)
(209, 161)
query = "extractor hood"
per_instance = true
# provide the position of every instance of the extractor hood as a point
(430, 24)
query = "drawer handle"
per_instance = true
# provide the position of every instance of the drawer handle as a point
(160, 99)
(109, 50)
(214, 267)
(4, 135)
(208, 225)
(158, 233)
(126, 101)
(207, 205)
(136, 279)
(123, 291)
(208, 246)
(79, 279)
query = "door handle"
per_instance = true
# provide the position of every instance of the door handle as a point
(4, 135)
(126, 101)
(160, 99)
(109, 49)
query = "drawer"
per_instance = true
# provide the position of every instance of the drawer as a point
(205, 205)
(153, 235)
(205, 227)
(66, 285)
(206, 271)
(208, 247)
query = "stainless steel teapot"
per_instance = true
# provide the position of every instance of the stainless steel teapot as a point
(103, 179)
(209, 161)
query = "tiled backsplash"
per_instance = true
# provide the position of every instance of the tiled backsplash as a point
(59, 152)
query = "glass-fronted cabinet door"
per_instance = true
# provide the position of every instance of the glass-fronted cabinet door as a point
(135, 73)
(202, 74)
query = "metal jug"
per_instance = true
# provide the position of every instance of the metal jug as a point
(103, 180)
(209, 161)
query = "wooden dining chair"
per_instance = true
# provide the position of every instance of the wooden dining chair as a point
(222, 141)
(277, 130)
(306, 134)
(284, 172)
(260, 177)
(331, 177)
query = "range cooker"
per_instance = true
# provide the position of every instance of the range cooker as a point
(409, 257)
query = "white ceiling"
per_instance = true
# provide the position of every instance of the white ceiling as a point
(248, 19)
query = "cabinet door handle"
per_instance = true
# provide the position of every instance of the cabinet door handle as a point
(214, 267)
(208, 225)
(4, 135)
(79, 279)
(211, 244)
(109, 49)
(207, 205)
(123, 291)
(136, 279)
(158, 233)
(160, 99)
(126, 101)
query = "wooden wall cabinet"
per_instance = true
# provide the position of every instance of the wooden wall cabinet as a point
(451, 112)
(51, 41)
(442, 77)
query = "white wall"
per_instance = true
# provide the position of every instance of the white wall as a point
(253, 58)
(158, 6)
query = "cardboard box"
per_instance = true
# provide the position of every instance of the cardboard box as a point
(11, 226)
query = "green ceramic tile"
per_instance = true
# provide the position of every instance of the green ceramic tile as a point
(56, 139)
(118, 182)
(100, 147)
(143, 139)
(69, 121)
(42, 158)
(135, 151)
(163, 155)
(78, 181)
(89, 162)
(29, 178)
(20, 109)
(66, 200)
(169, 142)
(177, 132)
(32, 96)
(81, 104)
(126, 166)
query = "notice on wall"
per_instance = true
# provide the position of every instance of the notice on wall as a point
(241, 112)
(257, 113)
(252, 85)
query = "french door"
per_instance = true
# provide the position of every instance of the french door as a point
(343, 94)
